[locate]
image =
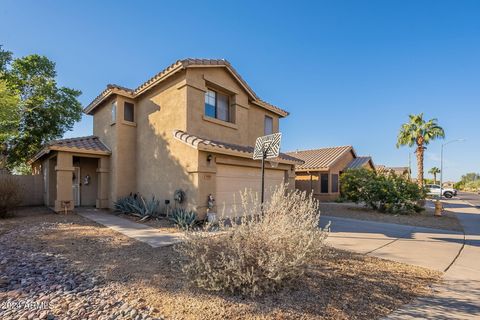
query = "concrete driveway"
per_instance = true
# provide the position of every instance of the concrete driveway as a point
(456, 254)
(429, 248)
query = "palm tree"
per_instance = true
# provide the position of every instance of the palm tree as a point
(434, 171)
(419, 132)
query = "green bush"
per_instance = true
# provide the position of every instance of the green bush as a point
(136, 205)
(184, 219)
(385, 193)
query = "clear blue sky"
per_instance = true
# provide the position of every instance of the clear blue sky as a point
(348, 71)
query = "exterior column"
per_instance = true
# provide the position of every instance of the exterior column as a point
(102, 190)
(64, 171)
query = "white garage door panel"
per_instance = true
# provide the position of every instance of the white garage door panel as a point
(231, 180)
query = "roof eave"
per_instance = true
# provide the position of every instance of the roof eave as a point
(201, 146)
(311, 169)
(169, 71)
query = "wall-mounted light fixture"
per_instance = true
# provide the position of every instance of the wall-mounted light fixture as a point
(209, 158)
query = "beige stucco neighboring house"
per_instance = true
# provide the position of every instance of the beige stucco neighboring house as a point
(449, 184)
(192, 127)
(399, 171)
(321, 170)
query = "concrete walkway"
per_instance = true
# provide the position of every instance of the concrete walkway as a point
(458, 297)
(151, 236)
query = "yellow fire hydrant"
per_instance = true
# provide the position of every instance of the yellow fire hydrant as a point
(438, 208)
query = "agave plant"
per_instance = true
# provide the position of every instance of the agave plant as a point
(136, 205)
(184, 219)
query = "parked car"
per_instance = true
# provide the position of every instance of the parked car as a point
(434, 190)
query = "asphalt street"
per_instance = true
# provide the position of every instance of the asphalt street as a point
(472, 198)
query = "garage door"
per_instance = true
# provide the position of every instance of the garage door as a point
(231, 180)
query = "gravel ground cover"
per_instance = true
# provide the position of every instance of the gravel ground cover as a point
(37, 284)
(448, 221)
(67, 267)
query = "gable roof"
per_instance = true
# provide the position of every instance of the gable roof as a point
(88, 144)
(174, 68)
(360, 162)
(227, 148)
(320, 159)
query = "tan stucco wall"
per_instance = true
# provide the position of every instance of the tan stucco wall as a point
(164, 163)
(125, 160)
(31, 188)
(106, 130)
(52, 182)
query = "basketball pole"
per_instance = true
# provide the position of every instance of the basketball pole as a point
(264, 156)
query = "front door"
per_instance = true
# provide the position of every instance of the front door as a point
(76, 186)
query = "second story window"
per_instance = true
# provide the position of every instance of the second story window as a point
(114, 111)
(268, 125)
(128, 112)
(217, 105)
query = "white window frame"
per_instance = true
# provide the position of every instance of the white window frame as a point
(265, 125)
(114, 111)
(229, 107)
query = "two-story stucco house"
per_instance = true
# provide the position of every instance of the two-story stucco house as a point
(191, 127)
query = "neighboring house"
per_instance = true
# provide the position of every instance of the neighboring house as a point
(322, 168)
(399, 171)
(449, 184)
(191, 127)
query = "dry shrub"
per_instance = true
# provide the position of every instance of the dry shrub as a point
(10, 194)
(258, 253)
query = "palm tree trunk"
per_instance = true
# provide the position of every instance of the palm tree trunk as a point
(435, 178)
(419, 152)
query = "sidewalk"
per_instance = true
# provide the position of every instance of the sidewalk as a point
(458, 297)
(151, 236)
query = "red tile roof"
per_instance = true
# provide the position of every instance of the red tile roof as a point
(177, 66)
(219, 146)
(80, 144)
(320, 159)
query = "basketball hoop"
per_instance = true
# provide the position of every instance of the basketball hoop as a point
(267, 147)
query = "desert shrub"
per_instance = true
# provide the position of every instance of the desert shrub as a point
(385, 193)
(137, 205)
(184, 219)
(10, 194)
(259, 253)
(471, 186)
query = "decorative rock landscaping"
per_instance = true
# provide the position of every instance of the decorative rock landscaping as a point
(55, 266)
(45, 286)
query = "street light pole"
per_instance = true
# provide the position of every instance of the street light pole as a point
(441, 163)
(441, 171)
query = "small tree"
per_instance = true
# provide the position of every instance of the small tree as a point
(434, 171)
(386, 193)
(34, 109)
(420, 133)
